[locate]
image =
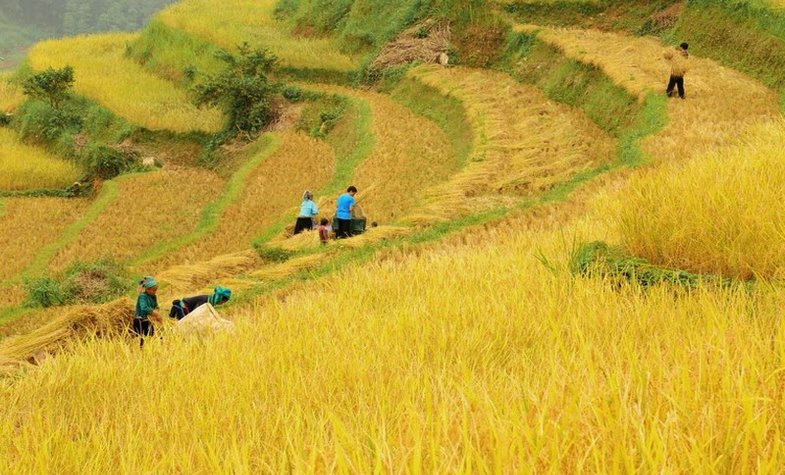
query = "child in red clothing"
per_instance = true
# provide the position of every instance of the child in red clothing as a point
(324, 231)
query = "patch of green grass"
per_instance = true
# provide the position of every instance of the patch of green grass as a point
(321, 114)
(211, 215)
(173, 54)
(598, 259)
(82, 283)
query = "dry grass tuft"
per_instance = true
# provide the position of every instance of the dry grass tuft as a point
(77, 324)
(422, 43)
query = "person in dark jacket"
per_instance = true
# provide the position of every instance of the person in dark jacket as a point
(146, 309)
(181, 308)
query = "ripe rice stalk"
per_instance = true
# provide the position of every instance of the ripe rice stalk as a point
(25, 167)
(236, 21)
(104, 74)
(466, 354)
(186, 277)
(719, 213)
(79, 323)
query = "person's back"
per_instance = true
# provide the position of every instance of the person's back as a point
(308, 210)
(678, 62)
(345, 204)
(181, 308)
(343, 213)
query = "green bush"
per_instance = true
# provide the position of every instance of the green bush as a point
(82, 283)
(108, 162)
(51, 85)
(243, 89)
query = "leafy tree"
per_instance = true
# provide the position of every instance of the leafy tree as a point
(243, 89)
(52, 85)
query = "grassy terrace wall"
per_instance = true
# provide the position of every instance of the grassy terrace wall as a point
(585, 87)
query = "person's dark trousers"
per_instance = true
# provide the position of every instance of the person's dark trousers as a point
(674, 82)
(303, 224)
(143, 328)
(344, 228)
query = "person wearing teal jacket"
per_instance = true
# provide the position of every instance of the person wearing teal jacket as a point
(146, 307)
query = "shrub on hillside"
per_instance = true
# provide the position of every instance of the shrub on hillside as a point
(722, 213)
(51, 85)
(243, 89)
(96, 282)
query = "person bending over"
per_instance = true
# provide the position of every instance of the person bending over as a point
(184, 306)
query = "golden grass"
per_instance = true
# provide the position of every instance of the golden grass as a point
(30, 224)
(273, 191)
(719, 101)
(24, 167)
(149, 208)
(523, 142)
(236, 21)
(721, 213)
(11, 95)
(104, 74)
(470, 357)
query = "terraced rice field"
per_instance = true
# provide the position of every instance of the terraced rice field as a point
(270, 193)
(24, 167)
(720, 101)
(22, 224)
(149, 208)
(409, 154)
(523, 144)
(233, 22)
(104, 74)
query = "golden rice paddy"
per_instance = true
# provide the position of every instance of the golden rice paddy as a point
(104, 74)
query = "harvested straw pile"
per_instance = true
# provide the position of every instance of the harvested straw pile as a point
(425, 43)
(80, 323)
(186, 277)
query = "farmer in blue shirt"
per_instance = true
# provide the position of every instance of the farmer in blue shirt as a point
(344, 213)
(308, 211)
